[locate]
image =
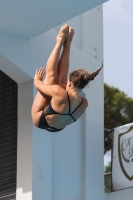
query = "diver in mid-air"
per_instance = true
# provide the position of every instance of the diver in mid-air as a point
(58, 102)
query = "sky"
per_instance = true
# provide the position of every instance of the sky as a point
(118, 44)
(118, 47)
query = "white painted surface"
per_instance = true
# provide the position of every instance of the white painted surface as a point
(122, 194)
(13, 71)
(17, 51)
(74, 156)
(42, 164)
(67, 165)
(24, 142)
(122, 164)
(31, 18)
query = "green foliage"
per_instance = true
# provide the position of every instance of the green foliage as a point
(108, 168)
(118, 110)
(107, 179)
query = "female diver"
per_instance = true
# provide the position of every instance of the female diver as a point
(58, 102)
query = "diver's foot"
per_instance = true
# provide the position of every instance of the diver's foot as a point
(69, 37)
(62, 34)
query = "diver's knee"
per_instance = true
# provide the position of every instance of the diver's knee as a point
(62, 82)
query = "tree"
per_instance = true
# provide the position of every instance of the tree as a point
(107, 179)
(118, 110)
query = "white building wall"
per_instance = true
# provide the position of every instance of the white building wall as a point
(121, 194)
(24, 144)
(67, 165)
(74, 156)
(74, 172)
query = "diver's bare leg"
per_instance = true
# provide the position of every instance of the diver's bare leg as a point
(53, 60)
(64, 60)
(42, 100)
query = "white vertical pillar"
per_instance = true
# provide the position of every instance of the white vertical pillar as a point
(71, 161)
(24, 145)
(42, 163)
(95, 110)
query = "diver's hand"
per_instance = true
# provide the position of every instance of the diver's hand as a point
(39, 74)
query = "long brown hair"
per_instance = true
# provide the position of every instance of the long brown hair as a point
(80, 77)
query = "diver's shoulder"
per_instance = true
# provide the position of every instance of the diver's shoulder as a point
(58, 89)
(85, 102)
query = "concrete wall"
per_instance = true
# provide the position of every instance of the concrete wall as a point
(125, 194)
(28, 19)
(67, 165)
(24, 144)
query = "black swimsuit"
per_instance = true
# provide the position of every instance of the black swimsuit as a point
(49, 111)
